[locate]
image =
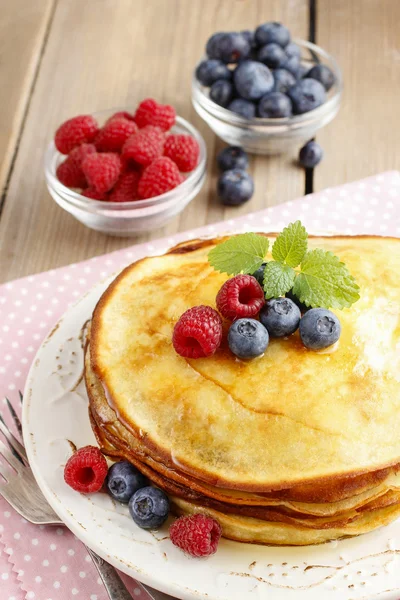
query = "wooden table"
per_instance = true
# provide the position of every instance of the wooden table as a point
(65, 57)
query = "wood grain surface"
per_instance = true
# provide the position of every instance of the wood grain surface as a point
(364, 37)
(104, 53)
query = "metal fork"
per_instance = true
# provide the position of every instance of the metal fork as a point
(21, 491)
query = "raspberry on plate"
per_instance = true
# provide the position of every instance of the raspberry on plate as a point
(160, 177)
(74, 132)
(94, 194)
(183, 150)
(114, 134)
(197, 535)
(144, 146)
(86, 470)
(102, 170)
(198, 333)
(70, 174)
(240, 296)
(126, 188)
(149, 112)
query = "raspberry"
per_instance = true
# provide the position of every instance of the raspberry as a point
(241, 296)
(121, 114)
(102, 170)
(114, 134)
(74, 132)
(149, 112)
(197, 535)
(94, 194)
(86, 470)
(144, 146)
(125, 190)
(183, 150)
(79, 153)
(70, 174)
(198, 333)
(160, 177)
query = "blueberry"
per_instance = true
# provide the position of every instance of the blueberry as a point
(272, 32)
(292, 65)
(232, 157)
(210, 70)
(293, 49)
(244, 108)
(302, 72)
(306, 95)
(248, 36)
(149, 507)
(323, 74)
(310, 155)
(252, 80)
(221, 92)
(212, 49)
(283, 80)
(259, 274)
(319, 328)
(303, 308)
(272, 55)
(247, 338)
(275, 105)
(232, 47)
(235, 187)
(123, 480)
(280, 316)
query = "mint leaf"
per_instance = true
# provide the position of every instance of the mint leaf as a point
(291, 245)
(278, 279)
(325, 282)
(242, 253)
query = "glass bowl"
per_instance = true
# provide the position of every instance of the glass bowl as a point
(127, 218)
(272, 136)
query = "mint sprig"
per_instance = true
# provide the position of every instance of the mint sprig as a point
(316, 277)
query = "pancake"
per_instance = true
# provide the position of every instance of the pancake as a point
(305, 439)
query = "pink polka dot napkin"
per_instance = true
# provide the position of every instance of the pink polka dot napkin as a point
(49, 563)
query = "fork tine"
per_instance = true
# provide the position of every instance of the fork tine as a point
(10, 458)
(15, 417)
(16, 447)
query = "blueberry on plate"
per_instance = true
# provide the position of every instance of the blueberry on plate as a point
(232, 47)
(252, 80)
(221, 92)
(280, 316)
(323, 74)
(306, 95)
(283, 80)
(123, 480)
(293, 49)
(275, 105)
(272, 32)
(212, 49)
(272, 55)
(244, 108)
(149, 507)
(310, 154)
(247, 338)
(259, 274)
(232, 157)
(319, 328)
(211, 70)
(235, 187)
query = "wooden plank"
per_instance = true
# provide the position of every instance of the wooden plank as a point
(102, 53)
(363, 140)
(22, 31)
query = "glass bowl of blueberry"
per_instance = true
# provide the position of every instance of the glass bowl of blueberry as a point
(264, 92)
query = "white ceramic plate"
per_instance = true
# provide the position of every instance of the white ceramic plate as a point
(56, 410)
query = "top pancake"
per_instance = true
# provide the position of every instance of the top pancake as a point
(290, 417)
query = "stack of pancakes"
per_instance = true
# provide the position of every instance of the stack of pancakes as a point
(295, 447)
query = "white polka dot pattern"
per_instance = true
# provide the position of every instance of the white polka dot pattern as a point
(51, 563)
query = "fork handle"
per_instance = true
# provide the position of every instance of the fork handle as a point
(113, 583)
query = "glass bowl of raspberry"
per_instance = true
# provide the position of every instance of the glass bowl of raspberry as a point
(263, 109)
(112, 212)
